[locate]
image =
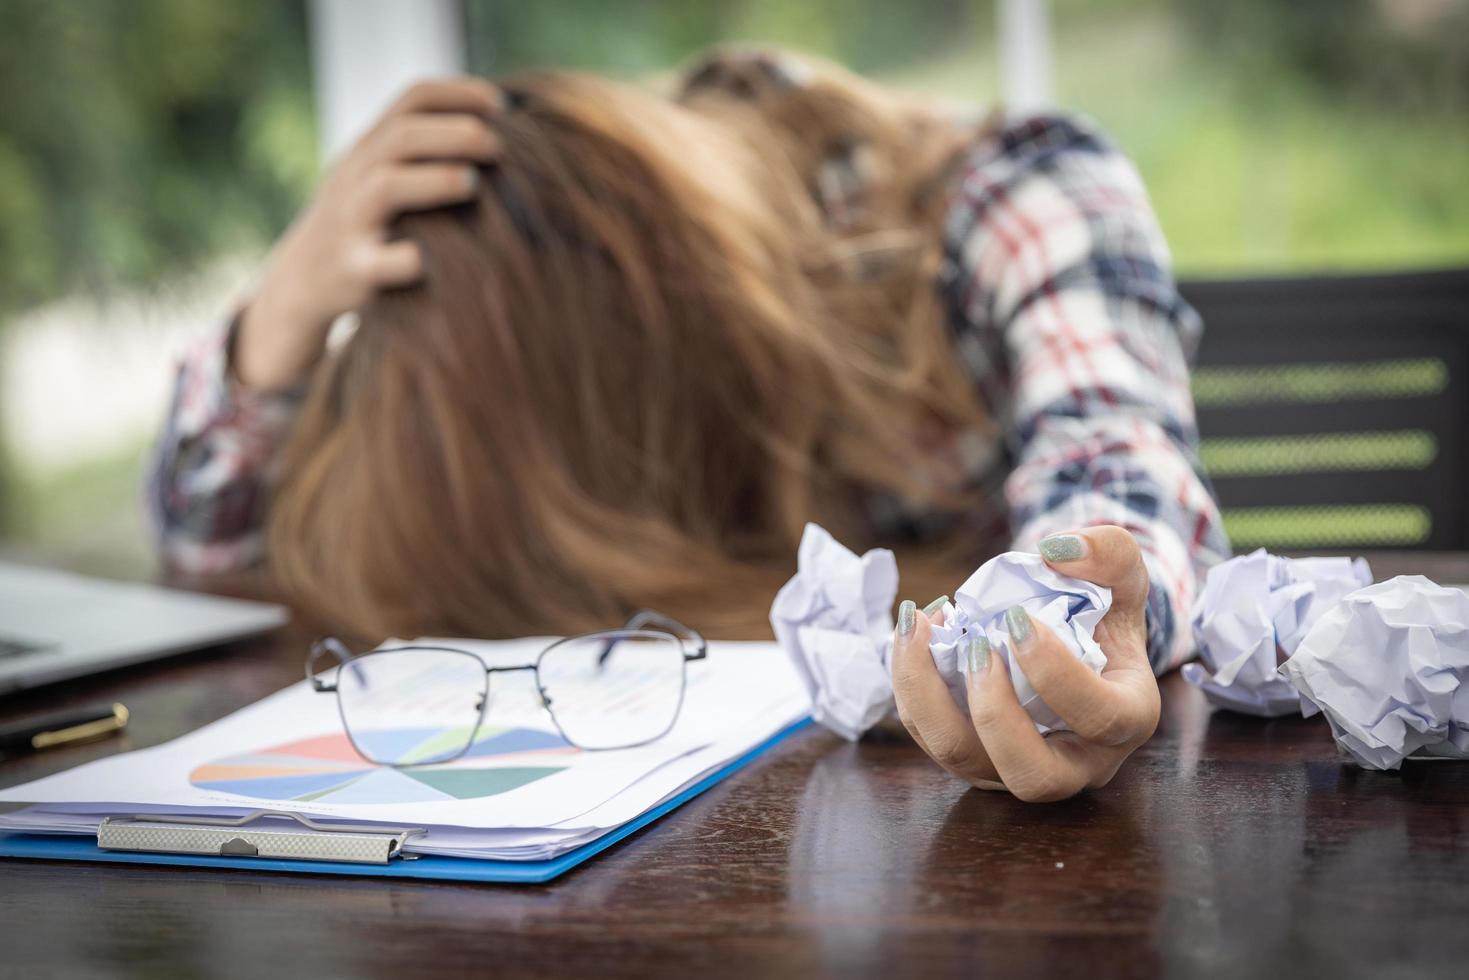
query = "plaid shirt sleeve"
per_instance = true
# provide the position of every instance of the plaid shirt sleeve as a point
(213, 467)
(1067, 315)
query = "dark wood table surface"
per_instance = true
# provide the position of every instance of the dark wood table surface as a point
(1226, 846)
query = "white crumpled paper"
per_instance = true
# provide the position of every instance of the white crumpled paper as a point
(1070, 607)
(1251, 615)
(834, 620)
(1387, 667)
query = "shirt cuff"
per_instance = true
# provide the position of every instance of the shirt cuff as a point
(211, 395)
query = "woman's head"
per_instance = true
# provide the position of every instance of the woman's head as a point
(635, 366)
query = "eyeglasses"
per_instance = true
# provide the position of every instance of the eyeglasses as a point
(419, 705)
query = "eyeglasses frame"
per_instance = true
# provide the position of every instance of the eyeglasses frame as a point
(647, 623)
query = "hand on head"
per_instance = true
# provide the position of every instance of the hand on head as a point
(424, 152)
(996, 745)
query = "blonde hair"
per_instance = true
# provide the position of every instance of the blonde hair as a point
(635, 367)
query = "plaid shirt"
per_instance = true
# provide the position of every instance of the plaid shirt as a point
(1063, 310)
(215, 463)
(1066, 313)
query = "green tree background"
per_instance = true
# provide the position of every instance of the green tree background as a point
(139, 137)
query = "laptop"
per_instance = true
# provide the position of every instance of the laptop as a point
(55, 625)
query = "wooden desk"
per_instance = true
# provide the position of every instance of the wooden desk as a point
(1227, 845)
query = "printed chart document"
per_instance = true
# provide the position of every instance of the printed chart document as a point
(520, 793)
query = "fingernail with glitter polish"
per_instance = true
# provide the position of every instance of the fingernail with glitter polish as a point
(1063, 547)
(979, 654)
(907, 617)
(1020, 628)
(935, 605)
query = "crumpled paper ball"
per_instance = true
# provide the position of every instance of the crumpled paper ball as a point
(1251, 615)
(834, 620)
(1070, 607)
(1387, 667)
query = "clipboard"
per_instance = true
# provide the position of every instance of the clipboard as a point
(63, 847)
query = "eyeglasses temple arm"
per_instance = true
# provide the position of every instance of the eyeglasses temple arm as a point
(336, 648)
(646, 617)
(686, 634)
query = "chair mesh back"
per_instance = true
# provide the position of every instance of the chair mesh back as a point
(1333, 411)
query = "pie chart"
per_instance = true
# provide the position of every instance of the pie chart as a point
(328, 768)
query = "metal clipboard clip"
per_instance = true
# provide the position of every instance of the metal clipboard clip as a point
(223, 837)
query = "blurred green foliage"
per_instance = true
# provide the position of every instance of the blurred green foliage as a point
(140, 136)
(1274, 135)
(1375, 55)
(1289, 136)
(637, 37)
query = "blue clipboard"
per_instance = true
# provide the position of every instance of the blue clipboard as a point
(63, 847)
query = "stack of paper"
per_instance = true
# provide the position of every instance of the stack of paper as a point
(521, 793)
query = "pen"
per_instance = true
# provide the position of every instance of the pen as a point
(63, 728)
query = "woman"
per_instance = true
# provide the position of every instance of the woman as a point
(614, 351)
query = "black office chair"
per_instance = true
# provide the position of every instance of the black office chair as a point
(1333, 411)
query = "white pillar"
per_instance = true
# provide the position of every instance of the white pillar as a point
(364, 52)
(1025, 55)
